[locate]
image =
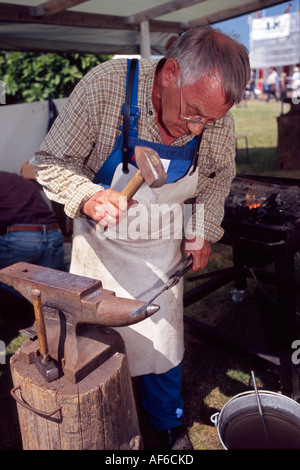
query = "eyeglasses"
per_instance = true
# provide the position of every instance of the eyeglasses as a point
(209, 124)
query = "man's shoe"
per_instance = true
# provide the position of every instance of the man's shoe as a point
(174, 439)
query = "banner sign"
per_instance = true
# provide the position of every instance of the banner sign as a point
(270, 27)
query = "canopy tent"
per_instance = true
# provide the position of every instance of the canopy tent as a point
(110, 27)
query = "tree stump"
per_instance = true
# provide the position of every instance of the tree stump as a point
(97, 413)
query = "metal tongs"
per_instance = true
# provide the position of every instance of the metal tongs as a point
(171, 282)
(260, 412)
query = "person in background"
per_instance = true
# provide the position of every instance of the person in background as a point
(288, 9)
(29, 230)
(283, 89)
(252, 85)
(272, 84)
(180, 109)
(295, 84)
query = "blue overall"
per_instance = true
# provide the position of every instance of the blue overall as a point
(179, 157)
(161, 394)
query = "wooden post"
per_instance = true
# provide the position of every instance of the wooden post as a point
(97, 413)
(288, 148)
(145, 42)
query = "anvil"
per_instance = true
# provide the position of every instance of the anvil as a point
(78, 313)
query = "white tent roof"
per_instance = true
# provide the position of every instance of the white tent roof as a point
(109, 26)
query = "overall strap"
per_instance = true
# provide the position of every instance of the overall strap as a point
(196, 154)
(130, 99)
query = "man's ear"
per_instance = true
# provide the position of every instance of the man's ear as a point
(170, 72)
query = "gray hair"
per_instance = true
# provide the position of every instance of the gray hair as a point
(204, 51)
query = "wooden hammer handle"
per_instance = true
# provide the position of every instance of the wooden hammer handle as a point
(40, 324)
(133, 185)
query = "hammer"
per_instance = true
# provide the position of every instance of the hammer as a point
(45, 365)
(150, 170)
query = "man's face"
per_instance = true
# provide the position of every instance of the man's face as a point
(203, 100)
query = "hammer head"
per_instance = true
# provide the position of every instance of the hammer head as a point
(150, 166)
(49, 369)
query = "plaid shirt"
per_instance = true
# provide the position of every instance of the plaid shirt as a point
(84, 134)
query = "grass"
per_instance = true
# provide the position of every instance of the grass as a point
(211, 375)
(258, 120)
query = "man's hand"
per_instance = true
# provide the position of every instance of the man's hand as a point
(107, 207)
(200, 249)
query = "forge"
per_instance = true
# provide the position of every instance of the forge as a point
(262, 225)
(268, 204)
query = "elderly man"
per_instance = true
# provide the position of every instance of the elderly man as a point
(180, 108)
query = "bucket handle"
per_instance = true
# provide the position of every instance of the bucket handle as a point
(29, 407)
(215, 418)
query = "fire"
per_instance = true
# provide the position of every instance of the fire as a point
(251, 201)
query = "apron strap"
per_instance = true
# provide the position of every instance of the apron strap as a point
(196, 154)
(126, 121)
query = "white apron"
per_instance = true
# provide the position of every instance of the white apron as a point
(138, 267)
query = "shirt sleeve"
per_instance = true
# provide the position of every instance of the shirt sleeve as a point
(60, 160)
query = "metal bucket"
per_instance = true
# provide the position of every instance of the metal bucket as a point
(240, 425)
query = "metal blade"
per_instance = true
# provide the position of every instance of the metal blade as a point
(172, 281)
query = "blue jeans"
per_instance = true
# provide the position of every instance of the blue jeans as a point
(161, 398)
(41, 248)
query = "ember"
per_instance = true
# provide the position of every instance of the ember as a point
(263, 203)
(251, 201)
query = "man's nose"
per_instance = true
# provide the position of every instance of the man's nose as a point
(195, 127)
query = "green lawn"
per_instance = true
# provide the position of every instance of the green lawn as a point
(258, 120)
